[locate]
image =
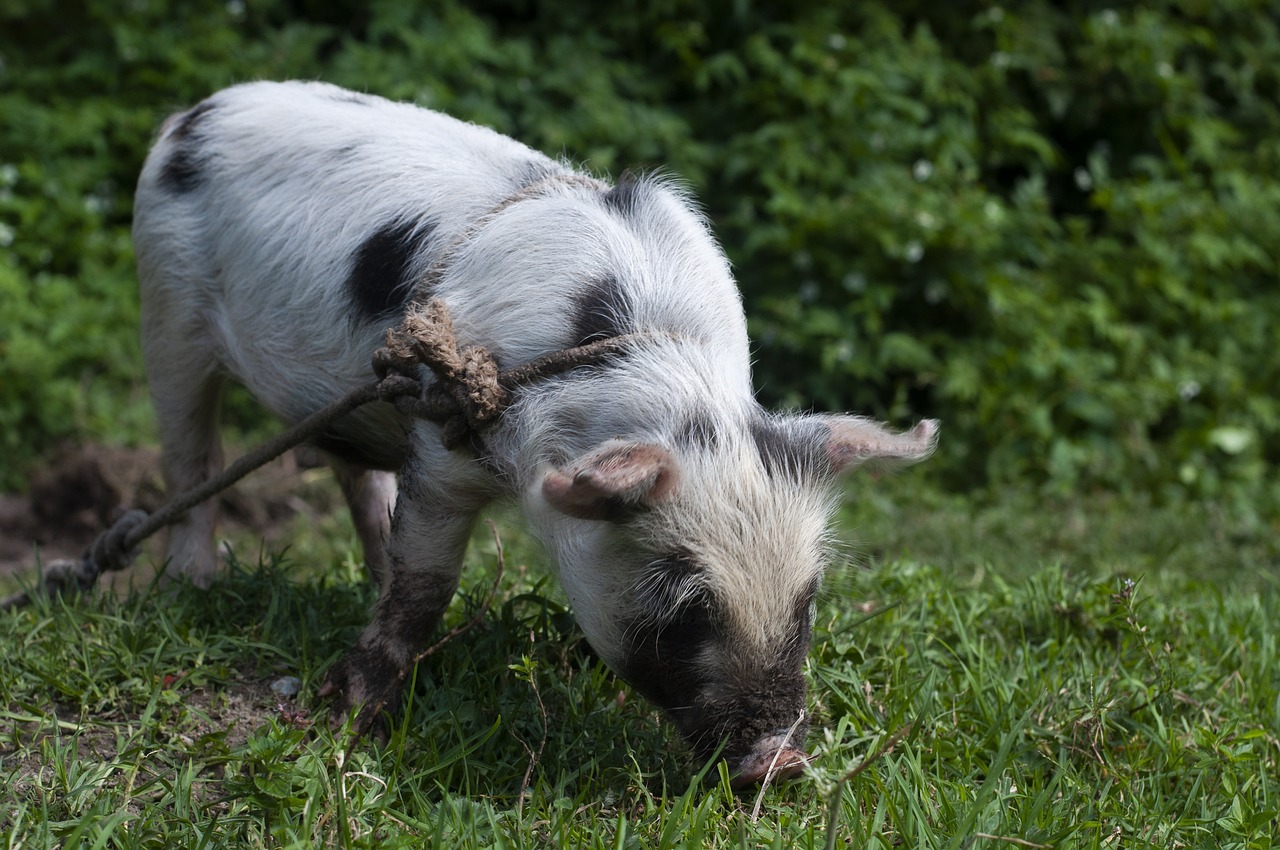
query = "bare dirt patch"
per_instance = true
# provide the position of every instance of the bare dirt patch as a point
(234, 712)
(83, 491)
(69, 503)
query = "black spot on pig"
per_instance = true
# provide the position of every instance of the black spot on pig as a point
(182, 171)
(669, 584)
(601, 311)
(786, 449)
(623, 197)
(661, 660)
(698, 432)
(379, 284)
(187, 124)
(738, 705)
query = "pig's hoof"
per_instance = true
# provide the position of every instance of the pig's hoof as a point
(359, 695)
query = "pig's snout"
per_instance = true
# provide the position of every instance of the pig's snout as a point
(772, 758)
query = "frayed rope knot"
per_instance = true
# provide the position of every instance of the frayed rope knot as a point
(116, 549)
(467, 395)
(471, 391)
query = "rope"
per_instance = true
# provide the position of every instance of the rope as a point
(469, 394)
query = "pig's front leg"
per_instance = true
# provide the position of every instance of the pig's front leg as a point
(429, 533)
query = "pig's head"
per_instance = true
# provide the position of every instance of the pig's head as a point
(692, 568)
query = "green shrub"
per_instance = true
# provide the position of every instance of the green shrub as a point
(1051, 226)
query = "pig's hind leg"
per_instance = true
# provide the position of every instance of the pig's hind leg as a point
(185, 388)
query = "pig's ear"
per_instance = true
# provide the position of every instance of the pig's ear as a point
(854, 440)
(609, 481)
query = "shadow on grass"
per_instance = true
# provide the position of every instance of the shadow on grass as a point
(518, 700)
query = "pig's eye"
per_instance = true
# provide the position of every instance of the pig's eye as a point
(671, 586)
(672, 622)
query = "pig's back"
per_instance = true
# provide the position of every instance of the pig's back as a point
(291, 223)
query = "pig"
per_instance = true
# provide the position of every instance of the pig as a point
(282, 228)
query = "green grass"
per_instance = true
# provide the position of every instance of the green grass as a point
(1018, 674)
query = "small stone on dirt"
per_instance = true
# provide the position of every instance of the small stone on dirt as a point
(286, 686)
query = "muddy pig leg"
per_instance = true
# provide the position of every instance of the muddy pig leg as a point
(429, 532)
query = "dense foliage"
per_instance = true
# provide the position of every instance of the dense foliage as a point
(1053, 226)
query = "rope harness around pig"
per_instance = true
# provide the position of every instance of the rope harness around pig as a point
(468, 396)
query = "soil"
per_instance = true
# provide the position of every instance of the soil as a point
(86, 489)
(77, 497)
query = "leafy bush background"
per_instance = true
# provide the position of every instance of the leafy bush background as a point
(1054, 226)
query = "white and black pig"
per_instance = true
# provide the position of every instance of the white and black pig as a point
(281, 228)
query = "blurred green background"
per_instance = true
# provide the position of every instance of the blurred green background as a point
(1054, 226)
